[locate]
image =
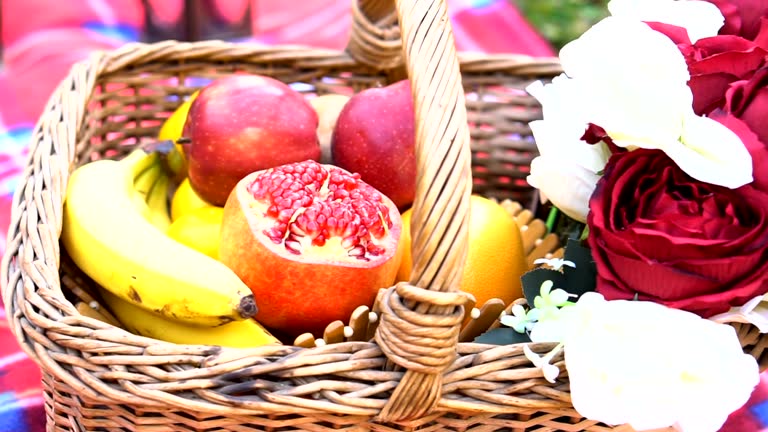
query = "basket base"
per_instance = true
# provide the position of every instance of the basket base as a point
(68, 411)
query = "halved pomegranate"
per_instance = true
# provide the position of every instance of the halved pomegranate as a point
(312, 241)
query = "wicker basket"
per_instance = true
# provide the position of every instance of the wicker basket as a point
(98, 377)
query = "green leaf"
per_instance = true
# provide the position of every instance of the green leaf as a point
(502, 336)
(583, 278)
(578, 280)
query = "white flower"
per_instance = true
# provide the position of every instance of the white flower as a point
(565, 183)
(550, 371)
(650, 366)
(754, 312)
(566, 170)
(555, 263)
(700, 18)
(520, 320)
(631, 81)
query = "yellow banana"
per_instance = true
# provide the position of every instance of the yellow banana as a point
(146, 179)
(239, 334)
(142, 186)
(159, 214)
(123, 252)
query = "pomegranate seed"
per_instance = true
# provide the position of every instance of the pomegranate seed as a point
(293, 246)
(331, 203)
(357, 251)
(374, 249)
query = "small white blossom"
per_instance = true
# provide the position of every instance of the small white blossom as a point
(555, 263)
(520, 320)
(549, 301)
(550, 371)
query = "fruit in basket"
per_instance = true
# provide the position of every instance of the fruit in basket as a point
(495, 257)
(108, 236)
(199, 229)
(150, 196)
(186, 200)
(327, 107)
(312, 241)
(374, 136)
(247, 333)
(245, 123)
(171, 130)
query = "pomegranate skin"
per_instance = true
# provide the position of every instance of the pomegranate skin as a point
(303, 293)
(245, 123)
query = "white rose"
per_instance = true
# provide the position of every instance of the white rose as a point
(650, 366)
(631, 81)
(566, 171)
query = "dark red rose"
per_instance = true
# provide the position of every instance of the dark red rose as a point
(748, 100)
(657, 234)
(715, 63)
(745, 18)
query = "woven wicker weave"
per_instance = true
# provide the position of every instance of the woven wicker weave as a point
(98, 377)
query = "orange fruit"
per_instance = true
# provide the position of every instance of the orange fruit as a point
(495, 257)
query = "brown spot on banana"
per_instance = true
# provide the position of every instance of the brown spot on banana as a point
(134, 295)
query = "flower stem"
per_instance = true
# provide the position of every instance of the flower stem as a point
(584, 233)
(551, 219)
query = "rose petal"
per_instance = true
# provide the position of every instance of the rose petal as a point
(709, 91)
(566, 184)
(560, 139)
(731, 14)
(712, 153)
(754, 312)
(679, 35)
(755, 147)
(748, 100)
(762, 35)
(635, 52)
(699, 18)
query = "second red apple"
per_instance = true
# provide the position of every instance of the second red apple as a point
(374, 137)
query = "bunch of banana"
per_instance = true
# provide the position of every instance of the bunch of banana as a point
(150, 196)
(115, 214)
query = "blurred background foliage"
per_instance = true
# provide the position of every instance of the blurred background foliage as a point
(561, 21)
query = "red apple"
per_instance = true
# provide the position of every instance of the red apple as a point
(313, 242)
(245, 123)
(374, 136)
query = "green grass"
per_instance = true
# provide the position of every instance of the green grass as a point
(561, 21)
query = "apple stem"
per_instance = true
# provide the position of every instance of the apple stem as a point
(184, 140)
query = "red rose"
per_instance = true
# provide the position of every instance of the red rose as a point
(745, 18)
(748, 100)
(714, 63)
(659, 235)
(717, 62)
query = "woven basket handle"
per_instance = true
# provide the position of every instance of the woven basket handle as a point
(421, 320)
